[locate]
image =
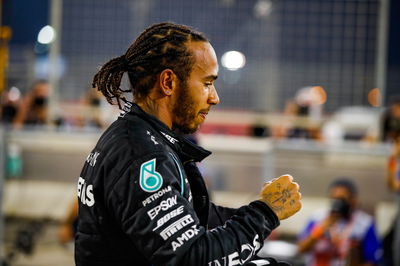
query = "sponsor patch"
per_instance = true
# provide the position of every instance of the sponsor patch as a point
(186, 236)
(152, 138)
(156, 195)
(176, 226)
(92, 158)
(125, 109)
(150, 179)
(247, 251)
(171, 139)
(168, 217)
(164, 205)
(85, 192)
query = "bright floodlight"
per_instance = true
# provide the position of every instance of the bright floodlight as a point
(233, 60)
(46, 35)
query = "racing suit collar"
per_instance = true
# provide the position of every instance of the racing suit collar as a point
(186, 150)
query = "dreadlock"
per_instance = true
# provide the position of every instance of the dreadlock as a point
(159, 47)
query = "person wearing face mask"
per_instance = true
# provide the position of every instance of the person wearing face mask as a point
(391, 121)
(34, 108)
(341, 234)
(92, 116)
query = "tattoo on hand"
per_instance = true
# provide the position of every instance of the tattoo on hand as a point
(285, 195)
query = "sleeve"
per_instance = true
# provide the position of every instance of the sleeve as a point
(218, 215)
(148, 203)
(371, 246)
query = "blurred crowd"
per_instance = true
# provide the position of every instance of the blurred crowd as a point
(302, 117)
(32, 110)
(340, 235)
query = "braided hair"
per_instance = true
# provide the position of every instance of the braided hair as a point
(159, 47)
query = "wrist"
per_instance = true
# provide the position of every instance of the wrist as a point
(392, 163)
(317, 232)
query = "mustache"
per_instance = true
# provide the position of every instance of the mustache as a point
(205, 110)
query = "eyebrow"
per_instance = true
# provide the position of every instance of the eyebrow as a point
(211, 77)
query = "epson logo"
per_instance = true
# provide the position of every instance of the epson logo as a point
(176, 226)
(187, 235)
(164, 205)
(168, 217)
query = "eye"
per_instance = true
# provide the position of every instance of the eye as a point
(208, 84)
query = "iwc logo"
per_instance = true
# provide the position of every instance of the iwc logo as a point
(150, 180)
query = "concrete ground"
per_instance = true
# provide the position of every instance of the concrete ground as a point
(47, 250)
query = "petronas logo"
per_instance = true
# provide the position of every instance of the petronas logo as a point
(150, 180)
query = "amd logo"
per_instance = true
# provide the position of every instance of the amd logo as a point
(187, 235)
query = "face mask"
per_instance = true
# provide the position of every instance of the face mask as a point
(40, 101)
(95, 102)
(340, 207)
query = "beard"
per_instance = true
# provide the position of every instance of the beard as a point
(184, 111)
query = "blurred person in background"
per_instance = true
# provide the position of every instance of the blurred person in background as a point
(91, 102)
(142, 199)
(10, 102)
(67, 228)
(303, 115)
(343, 234)
(33, 110)
(391, 121)
(393, 180)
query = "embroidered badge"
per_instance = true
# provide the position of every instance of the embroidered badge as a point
(150, 180)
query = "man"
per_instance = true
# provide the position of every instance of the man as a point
(342, 235)
(34, 109)
(142, 200)
(391, 120)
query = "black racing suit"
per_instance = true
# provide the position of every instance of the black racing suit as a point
(142, 201)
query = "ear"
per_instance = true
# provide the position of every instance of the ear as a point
(168, 82)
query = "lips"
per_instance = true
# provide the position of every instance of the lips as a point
(203, 114)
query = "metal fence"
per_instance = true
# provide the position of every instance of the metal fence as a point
(288, 44)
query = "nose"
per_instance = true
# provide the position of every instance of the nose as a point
(213, 98)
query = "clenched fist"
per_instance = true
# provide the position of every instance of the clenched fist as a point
(282, 195)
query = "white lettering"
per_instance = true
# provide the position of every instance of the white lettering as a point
(92, 158)
(187, 235)
(164, 205)
(83, 196)
(247, 251)
(168, 217)
(90, 196)
(176, 226)
(156, 195)
(171, 139)
(125, 109)
(190, 198)
(81, 181)
(233, 259)
(85, 192)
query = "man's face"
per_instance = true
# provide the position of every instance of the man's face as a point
(341, 192)
(196, 95)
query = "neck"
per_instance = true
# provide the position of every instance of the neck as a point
(158, 108)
